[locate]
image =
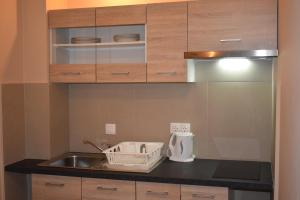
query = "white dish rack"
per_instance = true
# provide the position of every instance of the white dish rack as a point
(134, 153)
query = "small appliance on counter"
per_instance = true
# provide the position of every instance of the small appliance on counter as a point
(181, 147)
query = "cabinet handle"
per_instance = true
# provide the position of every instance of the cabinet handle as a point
(230, 40)
(55, 184)
(157, 193)
(167, 73)
(107, 189)
(120, 73)
(71, 73)
(204, 196)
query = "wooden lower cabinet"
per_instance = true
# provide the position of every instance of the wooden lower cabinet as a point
(45, 187)
(157, 191)
(104, 189)
(191, 192)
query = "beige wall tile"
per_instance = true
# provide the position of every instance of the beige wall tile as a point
(59, 119)
(240, 120)
(37, 119)
(46, 120)
(13, 122)
(143, 112)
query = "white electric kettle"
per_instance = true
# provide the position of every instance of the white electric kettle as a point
(181, 147)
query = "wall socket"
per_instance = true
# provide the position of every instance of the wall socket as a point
(110, 129)
(180, 127)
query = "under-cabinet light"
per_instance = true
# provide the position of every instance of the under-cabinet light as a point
(234, 64)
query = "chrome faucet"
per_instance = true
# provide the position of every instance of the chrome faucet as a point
(143, 148)
(101, 149)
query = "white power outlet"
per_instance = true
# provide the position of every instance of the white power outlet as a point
(110, 129)
(180, 127)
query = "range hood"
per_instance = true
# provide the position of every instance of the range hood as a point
(223, 54)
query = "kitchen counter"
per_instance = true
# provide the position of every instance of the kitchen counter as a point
(199, 172)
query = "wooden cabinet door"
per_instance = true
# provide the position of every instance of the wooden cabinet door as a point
(73, 73)
(101, 189)
(157, 191)
(232, 25)
(191, 192)
(121, 15)
(259, 24)
(121, 73)
(166, 42)
(71, 18)
(214, 25)
(45, 187)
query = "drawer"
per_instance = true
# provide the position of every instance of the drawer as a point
(101, 189)
(73, 73)
(203, 193)
(72, 18)
(46, 187)
(121, 73)
(175, 73)
(153, 191)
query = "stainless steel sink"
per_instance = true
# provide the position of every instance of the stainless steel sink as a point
(91, 161)
(77, 160)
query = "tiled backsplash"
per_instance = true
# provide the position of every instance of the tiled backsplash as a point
(230, 111)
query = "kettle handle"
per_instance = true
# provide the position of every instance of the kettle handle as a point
(171, 146)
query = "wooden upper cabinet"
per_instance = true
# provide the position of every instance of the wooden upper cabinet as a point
(166, 42)
(259, 30)
(72, 18)
(121, 15)
(72, 73)
(232, 25)
(211, 22)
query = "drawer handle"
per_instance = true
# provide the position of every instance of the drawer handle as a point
(230, 40)
(107, 189)
(204, 196)
(71, 73)
(120, 73)
(157, 193)
(55, 184)
(167, 73)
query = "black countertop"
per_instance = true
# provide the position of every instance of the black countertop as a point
(199, 172)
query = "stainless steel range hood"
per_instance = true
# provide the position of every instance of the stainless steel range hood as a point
(224, 54)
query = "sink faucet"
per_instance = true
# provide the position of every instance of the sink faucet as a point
(101, 149)
(143, 148)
